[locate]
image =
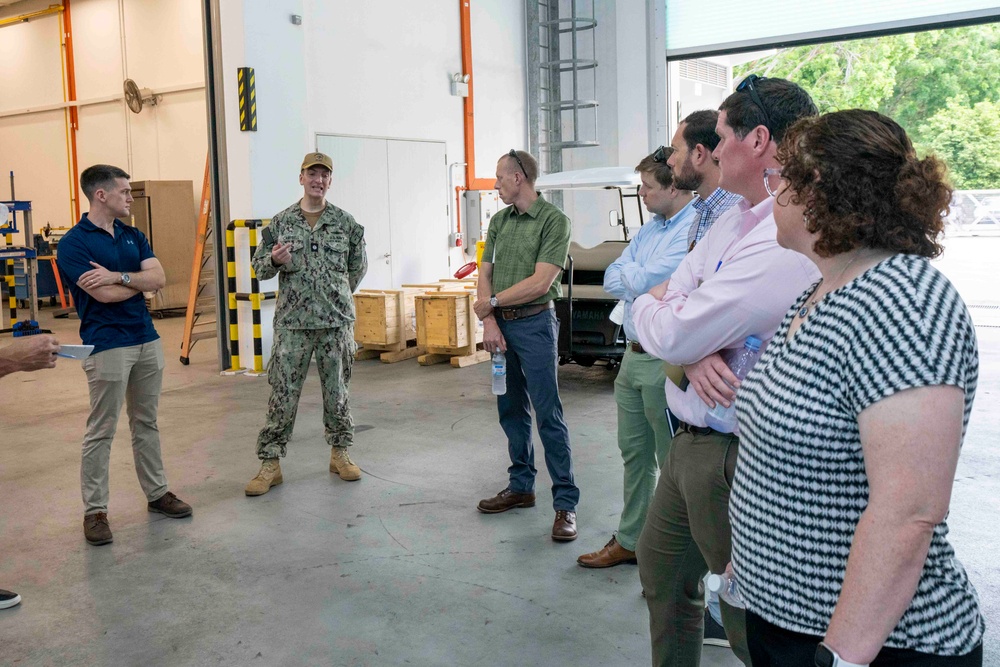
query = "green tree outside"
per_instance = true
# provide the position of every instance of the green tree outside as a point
(942, 86)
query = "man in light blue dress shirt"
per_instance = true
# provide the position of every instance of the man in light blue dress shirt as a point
(643, 435)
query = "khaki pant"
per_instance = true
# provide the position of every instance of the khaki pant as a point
(131, 375)
(687, 533)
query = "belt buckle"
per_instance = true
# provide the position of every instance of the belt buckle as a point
(508, 314)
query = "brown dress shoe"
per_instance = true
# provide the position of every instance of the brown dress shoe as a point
(96, 529)
(170, 505)
(612, 554)
(564, 527)
(505, 500)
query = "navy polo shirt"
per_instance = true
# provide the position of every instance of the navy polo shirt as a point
(107, 326)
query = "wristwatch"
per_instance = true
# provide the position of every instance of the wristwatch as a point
(494, 302)
(827, 657)
(126, 279)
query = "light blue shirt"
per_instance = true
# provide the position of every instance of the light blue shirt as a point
(650, 258)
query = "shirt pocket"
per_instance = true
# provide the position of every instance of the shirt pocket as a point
(335, 251)
(297, 263)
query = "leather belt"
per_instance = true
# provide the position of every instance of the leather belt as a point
(634, 345)
(698, 430)
(521, 312)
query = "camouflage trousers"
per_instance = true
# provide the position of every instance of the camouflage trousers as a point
(286, 372)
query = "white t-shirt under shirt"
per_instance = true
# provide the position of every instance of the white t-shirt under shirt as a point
(800, 484)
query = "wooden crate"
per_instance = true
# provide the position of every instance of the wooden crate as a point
(385, 323)
(447, 329)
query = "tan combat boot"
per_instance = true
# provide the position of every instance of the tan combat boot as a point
(341, 463)
(269, 475)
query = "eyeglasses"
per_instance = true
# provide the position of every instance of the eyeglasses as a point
(513, 154)
(747, 85)
(660, 154)
(772, 175)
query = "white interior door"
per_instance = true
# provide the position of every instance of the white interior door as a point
(360, 186)
(418, 211)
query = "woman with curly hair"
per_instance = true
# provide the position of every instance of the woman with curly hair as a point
(853, 419)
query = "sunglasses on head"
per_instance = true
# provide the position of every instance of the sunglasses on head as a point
(660, 154)
(513, 154)
(747, 85)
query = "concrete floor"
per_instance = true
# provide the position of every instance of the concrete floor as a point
(397, 569)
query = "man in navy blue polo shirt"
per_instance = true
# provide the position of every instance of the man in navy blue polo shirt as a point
(109, 265)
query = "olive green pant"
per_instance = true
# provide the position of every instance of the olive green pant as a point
(687, 534)
(643, 438)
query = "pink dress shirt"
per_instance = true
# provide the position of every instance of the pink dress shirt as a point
(736, 282)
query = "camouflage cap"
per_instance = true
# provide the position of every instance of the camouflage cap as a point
(317, 159)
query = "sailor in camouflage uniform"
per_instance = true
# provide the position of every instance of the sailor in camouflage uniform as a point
(319, 255)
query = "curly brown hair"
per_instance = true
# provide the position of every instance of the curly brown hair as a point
(863, 185)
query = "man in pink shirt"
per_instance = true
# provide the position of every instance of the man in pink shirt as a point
(737, 282)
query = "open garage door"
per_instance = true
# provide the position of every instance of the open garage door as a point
(729, 26)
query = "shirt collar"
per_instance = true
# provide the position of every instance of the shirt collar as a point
(535, 208)
(86, 225)
(660, 220)
(758, 212)
(714, 200)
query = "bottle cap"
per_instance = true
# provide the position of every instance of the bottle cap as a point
(752, 342)
(715, 583)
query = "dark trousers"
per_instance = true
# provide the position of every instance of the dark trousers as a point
(771, 645)
(686, 535)
(532, 358)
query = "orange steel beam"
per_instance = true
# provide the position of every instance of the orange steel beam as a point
(471, 182)
(74, 112)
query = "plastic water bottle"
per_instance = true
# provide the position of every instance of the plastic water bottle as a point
(725, 586)
(499, 373)
(721, 418)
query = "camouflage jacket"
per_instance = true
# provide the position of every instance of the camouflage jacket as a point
(315, 289)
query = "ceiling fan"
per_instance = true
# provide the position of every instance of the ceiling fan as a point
(136, 97)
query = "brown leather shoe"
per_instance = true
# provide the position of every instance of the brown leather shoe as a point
(612, 554)
(171, 506)
(505, 500)
(96, 529)
(564, 527)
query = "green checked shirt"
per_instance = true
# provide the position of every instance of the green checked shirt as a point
(315, 289)
(517, 241)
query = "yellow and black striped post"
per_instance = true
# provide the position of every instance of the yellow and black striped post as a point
(234, 327)
(254, 297)
(248, 99)
(9, 278)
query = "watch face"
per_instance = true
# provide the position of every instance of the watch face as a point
(825, 657)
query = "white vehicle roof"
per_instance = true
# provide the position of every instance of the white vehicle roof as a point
(599, 178)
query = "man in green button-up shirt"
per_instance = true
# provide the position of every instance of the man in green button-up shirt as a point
(526, 249)
(318, 252)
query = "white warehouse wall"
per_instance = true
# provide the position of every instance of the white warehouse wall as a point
(365, 69)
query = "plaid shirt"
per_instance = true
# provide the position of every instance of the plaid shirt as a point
(516, 242)
(709, 211)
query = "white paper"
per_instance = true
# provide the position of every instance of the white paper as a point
(75, 351)
(618, 314)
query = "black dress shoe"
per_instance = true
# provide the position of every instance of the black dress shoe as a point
(506, 500)
(564, 527)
